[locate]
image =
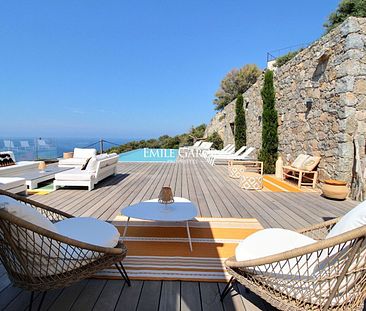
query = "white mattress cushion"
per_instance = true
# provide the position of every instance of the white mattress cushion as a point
(89, 230)
(75, 174)
(10, 182)
(353, 219)
(84, 153)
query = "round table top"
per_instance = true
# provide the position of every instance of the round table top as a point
(181, 210)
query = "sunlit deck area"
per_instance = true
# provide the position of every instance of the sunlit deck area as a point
(214, 193)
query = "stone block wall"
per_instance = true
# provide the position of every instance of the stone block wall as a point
(320, 99)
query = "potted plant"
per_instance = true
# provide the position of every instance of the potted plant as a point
(335, 189)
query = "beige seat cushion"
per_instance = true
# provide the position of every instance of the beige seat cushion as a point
(299, 161)
(311, 163)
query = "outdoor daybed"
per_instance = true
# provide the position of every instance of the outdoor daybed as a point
(322, 267)
(15, 167)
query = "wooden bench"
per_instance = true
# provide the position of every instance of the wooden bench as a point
(303, 169)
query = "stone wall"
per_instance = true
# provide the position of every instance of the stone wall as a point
(320, 99)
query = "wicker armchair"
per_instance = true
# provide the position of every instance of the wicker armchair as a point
(327, 275)
(37, 259)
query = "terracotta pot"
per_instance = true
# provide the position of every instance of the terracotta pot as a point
(335, 189)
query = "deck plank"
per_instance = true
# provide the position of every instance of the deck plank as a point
(190, 296)
(130, 296)
(170, 296)
(150, 296)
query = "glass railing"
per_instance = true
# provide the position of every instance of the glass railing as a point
(30, 148)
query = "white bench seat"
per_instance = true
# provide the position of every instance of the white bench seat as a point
(75, 174)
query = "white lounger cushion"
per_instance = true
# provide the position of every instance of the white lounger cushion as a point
(355, 218)
(89, 230)
(75, 174)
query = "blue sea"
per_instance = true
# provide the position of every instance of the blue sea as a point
(30, 148)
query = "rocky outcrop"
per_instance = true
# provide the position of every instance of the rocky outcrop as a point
(320, 99)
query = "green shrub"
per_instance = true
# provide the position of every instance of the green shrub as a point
(268, 152)
(165, 141)
(240, 124)
(215, 138)
(280, 61)
(345, 9)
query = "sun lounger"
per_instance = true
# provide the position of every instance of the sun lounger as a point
(244, 155)
(229, 149)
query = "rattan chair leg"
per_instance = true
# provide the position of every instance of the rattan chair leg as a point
(123, 273)
(227, 289)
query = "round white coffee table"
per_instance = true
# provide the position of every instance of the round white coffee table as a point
(182, 210)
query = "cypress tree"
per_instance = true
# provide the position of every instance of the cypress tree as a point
(268, 153)
(240, 124)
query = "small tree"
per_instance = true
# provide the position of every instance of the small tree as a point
(240, 124)
(268, 153)
(216, 140)
(237, 81)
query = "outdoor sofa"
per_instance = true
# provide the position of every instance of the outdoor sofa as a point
(98, 168)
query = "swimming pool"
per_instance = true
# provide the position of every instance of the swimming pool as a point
(149, 155)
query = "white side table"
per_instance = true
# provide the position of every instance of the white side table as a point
(182, 210)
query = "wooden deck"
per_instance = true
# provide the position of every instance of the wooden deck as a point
(215, 194)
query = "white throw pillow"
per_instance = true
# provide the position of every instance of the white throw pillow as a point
(269, 242)
(92, 164)
(26, 213)
(355, 218)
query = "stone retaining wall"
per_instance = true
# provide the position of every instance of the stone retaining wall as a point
(320, 99)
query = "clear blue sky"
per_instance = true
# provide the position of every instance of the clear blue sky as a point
(134, 68)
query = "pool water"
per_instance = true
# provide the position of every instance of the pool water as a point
(149, 155)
